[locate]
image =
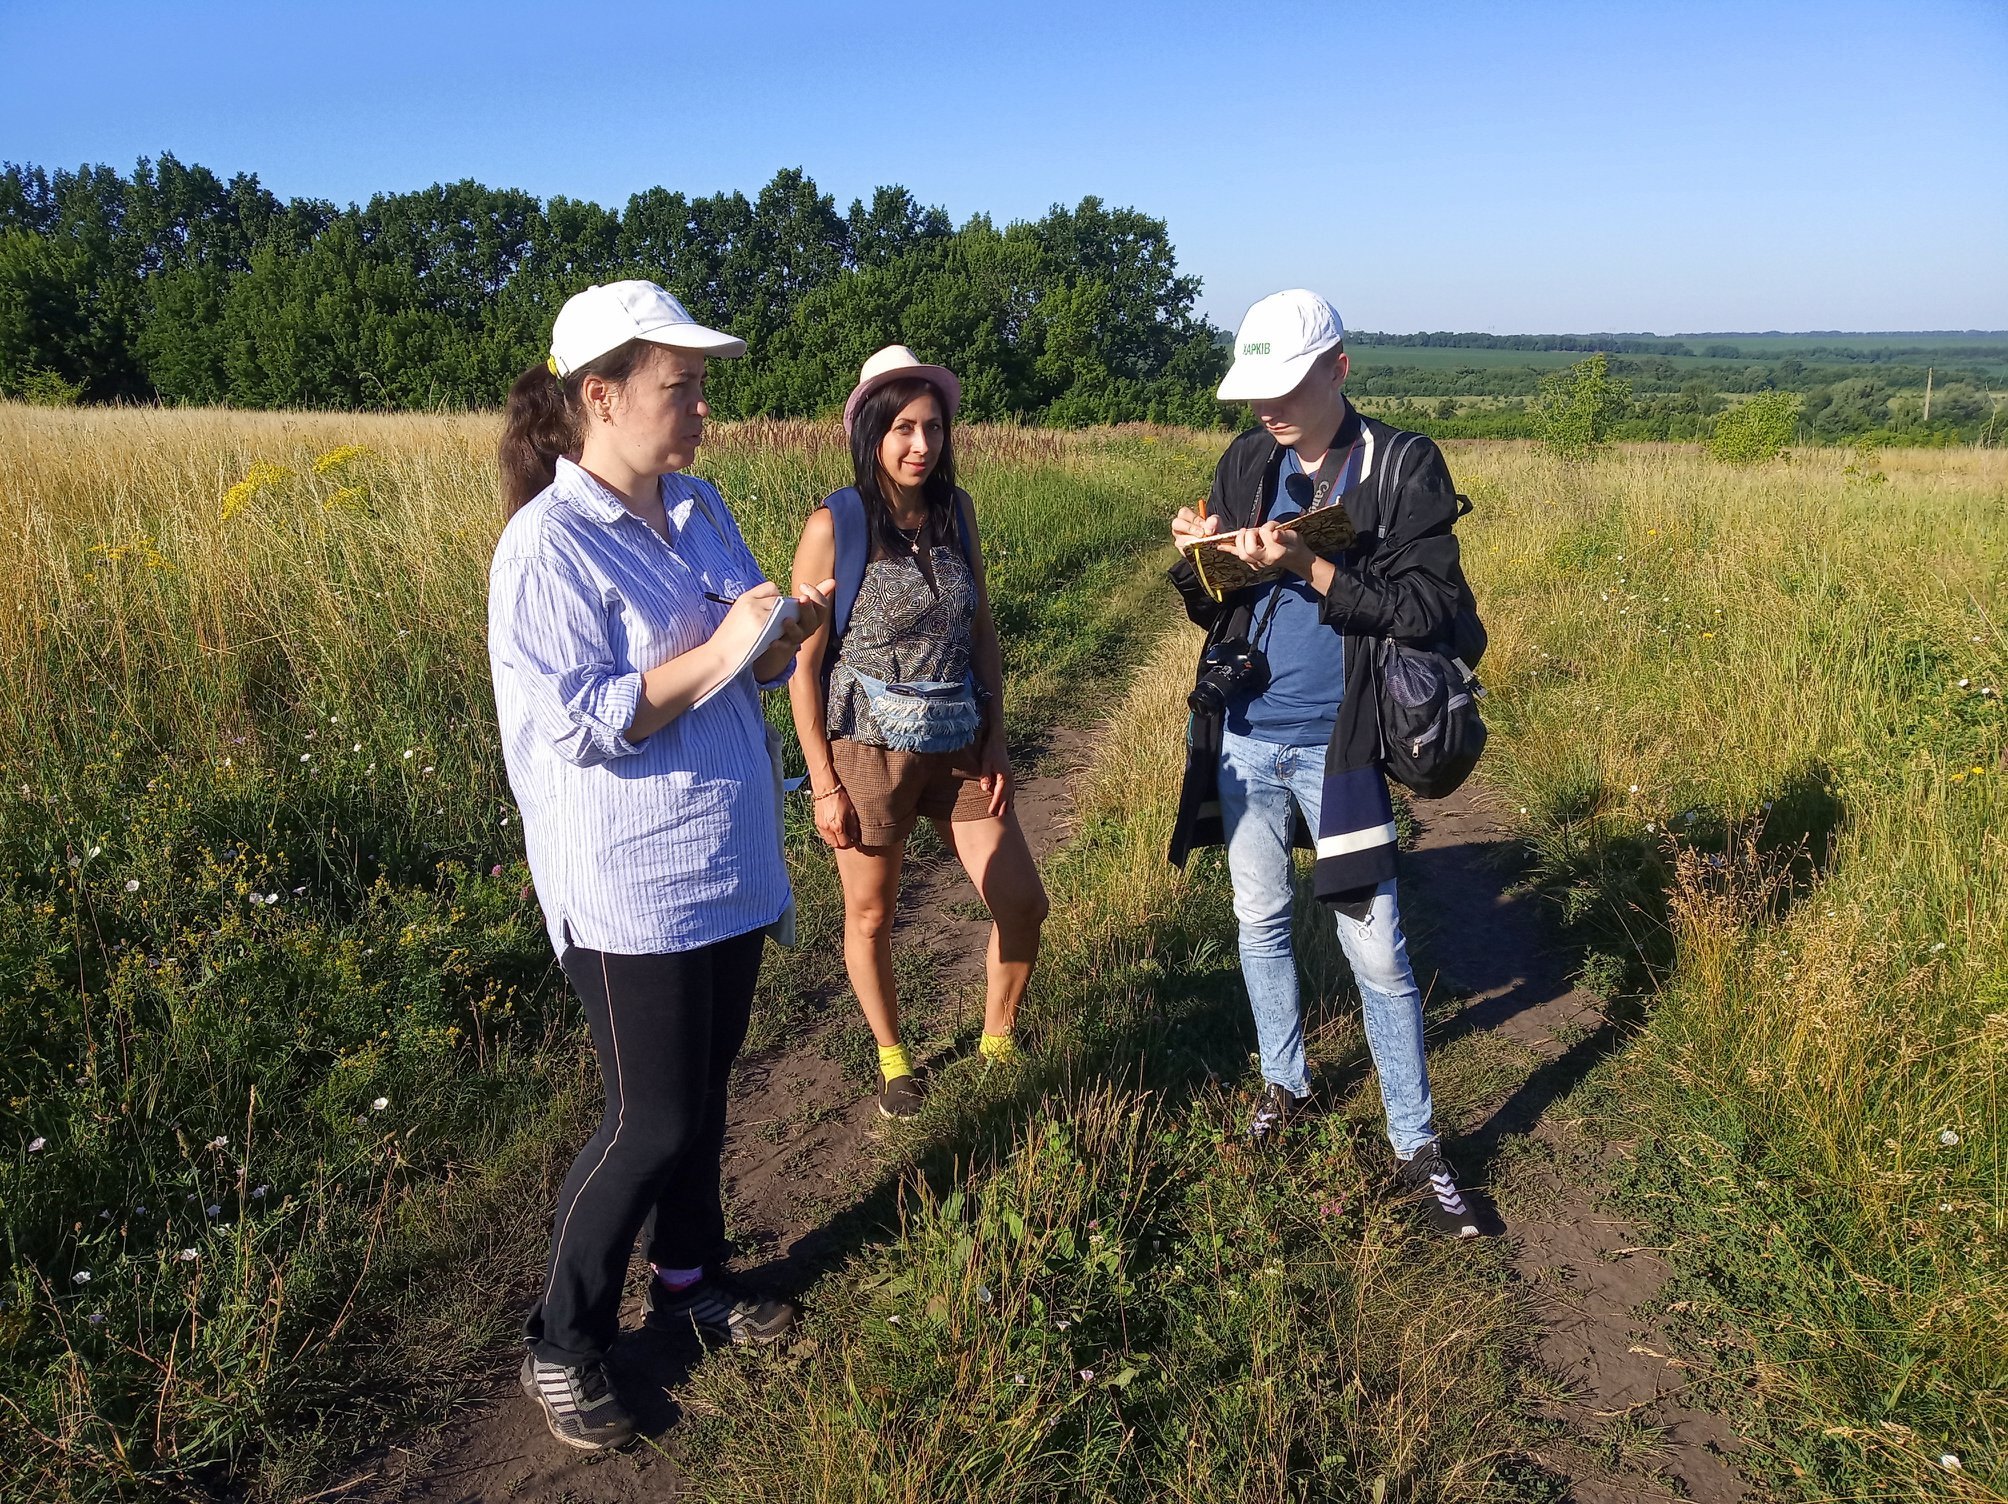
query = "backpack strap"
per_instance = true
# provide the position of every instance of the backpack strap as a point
(847, 517)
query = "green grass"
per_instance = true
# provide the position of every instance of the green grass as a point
(275, 998)
(1095, 1290)
(1755, 721)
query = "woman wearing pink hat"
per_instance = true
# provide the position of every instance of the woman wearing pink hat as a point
(899, 701)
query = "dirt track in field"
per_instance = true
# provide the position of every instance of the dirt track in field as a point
(798, 1159)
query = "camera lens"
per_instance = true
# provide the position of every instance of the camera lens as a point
(1208, 697)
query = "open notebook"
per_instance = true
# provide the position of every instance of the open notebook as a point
(785, 609)
(1326, 531)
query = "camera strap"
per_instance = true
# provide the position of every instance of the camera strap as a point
(1320, 490)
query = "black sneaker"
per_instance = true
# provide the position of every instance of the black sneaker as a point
(1427, 1176)
(579, 1404)
(901, 1097)
(720, 1308)
(1275, 1109)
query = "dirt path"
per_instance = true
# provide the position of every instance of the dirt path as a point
(1619, 1386)
(797, 1158)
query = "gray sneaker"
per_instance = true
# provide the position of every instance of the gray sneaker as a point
(1428, 1178)
(720, 1308)
(1275, 1109)
(901, 1097)
(579, 1404)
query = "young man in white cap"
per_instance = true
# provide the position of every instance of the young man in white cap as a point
(1284, 741)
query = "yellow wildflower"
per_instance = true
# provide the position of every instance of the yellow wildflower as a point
(262, 475)
(348, 498)
(335, 458)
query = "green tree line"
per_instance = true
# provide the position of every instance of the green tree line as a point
(171, 284)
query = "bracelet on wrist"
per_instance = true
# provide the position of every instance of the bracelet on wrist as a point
(830, 792)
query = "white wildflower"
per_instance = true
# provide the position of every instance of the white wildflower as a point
(212, 1211)
(132, 885)
(983, 1294)
(37, 1145)
(407, 754)
(1087, 1376)
(1634, 788)
(306, 757)
(81, 1277)
(260, 1192)
(379, 1104)
(221, 1141)
(1949, 1461)
(187, 1256)
(1948, 1138)
(271, 898)
(357, 747)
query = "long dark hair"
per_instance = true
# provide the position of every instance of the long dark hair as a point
(545, 418)
(874, 421)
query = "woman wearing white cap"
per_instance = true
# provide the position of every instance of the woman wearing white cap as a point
(629, 634)
(899, 701)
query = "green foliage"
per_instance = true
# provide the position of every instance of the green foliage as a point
(176, 286)
(1757, 430)
(1577, 408)
(47, 389)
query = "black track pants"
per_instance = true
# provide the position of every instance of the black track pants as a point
(667, 1029)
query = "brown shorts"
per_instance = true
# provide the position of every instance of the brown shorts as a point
(893, 790)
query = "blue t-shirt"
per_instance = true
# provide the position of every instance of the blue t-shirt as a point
(1307, 659)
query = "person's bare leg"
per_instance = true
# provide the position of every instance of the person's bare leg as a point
(870, 875)
(994, 854)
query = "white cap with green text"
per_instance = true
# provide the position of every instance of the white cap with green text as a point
(1279, 340)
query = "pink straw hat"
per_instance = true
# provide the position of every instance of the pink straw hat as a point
(892, 363)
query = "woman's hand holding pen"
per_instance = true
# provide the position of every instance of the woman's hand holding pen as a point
(812, 609)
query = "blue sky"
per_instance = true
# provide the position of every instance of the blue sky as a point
(1522, 167)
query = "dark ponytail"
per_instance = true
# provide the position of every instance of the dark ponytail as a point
(544, 419)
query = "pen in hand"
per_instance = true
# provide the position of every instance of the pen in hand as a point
(723, 600)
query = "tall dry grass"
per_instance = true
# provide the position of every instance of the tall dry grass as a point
(282, 1050)
(1756, 721)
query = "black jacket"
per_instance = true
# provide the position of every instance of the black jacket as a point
(1400, 579)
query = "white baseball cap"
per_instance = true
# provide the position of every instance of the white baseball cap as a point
(1279, 340)
(604, 318)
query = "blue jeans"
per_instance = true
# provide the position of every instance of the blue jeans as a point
(1258, 782)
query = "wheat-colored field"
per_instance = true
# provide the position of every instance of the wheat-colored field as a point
(258, 874)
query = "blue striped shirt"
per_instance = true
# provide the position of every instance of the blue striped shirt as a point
(638, 848)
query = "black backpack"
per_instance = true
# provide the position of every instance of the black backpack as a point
(1431, 733)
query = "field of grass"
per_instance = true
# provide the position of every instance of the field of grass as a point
(282, 1048)
(1756, 723)
(283, 1051)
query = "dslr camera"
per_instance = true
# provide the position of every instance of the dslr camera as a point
(1231, 666)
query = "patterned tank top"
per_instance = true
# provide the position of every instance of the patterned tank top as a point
(902, 630)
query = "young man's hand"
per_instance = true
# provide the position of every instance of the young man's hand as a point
(1271, 545)
(1188, 525)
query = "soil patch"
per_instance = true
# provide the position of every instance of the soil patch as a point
(1603, 1370)
(798, 1159)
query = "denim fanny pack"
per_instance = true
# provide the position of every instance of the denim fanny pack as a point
(921, 715)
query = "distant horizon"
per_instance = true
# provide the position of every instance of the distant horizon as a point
(1703, 333)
